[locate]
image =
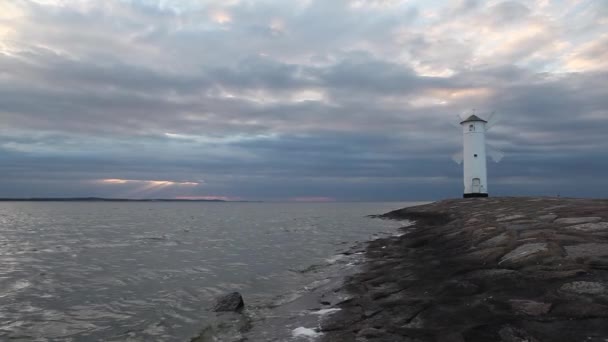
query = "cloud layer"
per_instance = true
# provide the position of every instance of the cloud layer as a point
(306, 99)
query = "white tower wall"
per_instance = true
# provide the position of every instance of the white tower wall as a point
(474, 159)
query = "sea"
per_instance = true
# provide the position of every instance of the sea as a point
(150, 271)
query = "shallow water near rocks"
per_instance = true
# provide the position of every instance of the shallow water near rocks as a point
(150, 271)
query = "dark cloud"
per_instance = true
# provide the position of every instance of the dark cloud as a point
(270, 100)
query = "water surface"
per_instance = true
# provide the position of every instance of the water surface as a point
(149, 271)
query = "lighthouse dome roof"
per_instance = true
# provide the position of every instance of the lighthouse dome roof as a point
(473, 118)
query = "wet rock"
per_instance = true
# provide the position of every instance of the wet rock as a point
(232, 302)
(590, 227)
(341, 320)
(550, 275)
(460, 288)
(599, 263)
(520, 226)
(480, 234)
(371, 333)
(485, 256)
(585, 250)
(524, 253)
(530, 307)
(512, 334)
(547, 218)
(468, 267)
(577, 220)
(580, 310)
(496, 241)
(225, 326)
(510, 218)
(584, 287)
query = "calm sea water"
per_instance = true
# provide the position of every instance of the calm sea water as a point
(150, 271)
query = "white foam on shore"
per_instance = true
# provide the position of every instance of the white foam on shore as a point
(334, 259)
(325, 311)
(305, 332)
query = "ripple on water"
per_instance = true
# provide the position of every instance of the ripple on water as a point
(149, 271)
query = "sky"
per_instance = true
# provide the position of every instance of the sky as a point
(300, 100)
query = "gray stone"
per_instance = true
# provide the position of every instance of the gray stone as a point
(587, 250)
(589, 227)
(510, 218)
(547, 218)
(524, 252)
(584, 287)
(577, 220)
(520, 226)
(530, 307)
(496, 241)
(341, 320)
(229, 302)
(512, 334)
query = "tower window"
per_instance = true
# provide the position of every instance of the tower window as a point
(475, 155)
(471, 128)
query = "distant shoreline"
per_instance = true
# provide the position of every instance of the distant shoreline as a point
(101, 199)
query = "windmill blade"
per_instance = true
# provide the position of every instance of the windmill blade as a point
(456, 122)
(493, 119)
(458, 157)
(495, 154)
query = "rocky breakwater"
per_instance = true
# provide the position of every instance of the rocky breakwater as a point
(495, 269)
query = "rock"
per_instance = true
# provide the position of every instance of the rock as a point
(371, 332)
(520, 226)
(484, 256)
(460, 288)
(341, 320)
(577, 220)
(549, 275)
(580, 309)
(525, 252)
(589, 227)
(510, 218)
(584, 287)
(225, 326)
(530, 307)
(511, 334)
(587, 250)
(496, 241)
(547, 218)
(231, 302)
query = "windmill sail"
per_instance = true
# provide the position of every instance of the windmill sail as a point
(493, 119)
(457, 157)
(495, 154)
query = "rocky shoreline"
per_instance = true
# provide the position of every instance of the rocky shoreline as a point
(495, 269)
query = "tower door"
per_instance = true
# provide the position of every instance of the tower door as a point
(476, 185)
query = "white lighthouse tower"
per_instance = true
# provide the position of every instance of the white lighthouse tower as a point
(474, 157)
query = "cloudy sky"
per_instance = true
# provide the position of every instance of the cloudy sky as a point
(300, 99)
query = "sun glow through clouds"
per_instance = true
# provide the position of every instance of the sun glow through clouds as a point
(148, 183)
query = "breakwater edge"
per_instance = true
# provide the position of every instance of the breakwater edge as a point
(496, 269)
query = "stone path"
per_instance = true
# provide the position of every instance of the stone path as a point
(496, 269)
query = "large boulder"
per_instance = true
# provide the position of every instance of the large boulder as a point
(232, 302)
